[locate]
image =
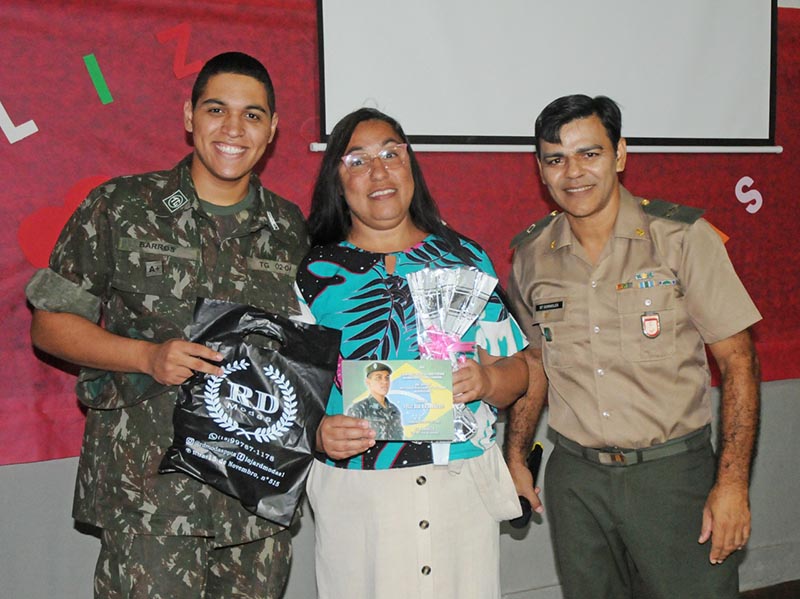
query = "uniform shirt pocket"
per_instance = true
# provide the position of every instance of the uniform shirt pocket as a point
(165, 271)
(270, 285)
(647, 323)
(553, 315)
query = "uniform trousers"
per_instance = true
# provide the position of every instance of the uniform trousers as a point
(134, 566)
(425, 532)
(631, 531)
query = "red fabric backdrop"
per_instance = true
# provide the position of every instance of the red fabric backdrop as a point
(60, 138)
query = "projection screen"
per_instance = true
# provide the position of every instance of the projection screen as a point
(685, 72)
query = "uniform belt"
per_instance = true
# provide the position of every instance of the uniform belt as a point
(614, 456)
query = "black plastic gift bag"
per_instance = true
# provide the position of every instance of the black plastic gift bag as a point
(251, 432)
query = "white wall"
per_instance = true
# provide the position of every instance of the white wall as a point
(42, 555)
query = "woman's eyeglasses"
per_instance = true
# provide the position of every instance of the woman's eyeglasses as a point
(360, 163)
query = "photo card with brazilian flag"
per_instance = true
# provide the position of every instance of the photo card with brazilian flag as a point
(420, 390)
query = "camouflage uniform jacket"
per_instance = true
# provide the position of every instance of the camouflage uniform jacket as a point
(138, 252)
(385, 421)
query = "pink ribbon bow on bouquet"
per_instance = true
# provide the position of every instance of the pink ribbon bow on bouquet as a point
(439, 345)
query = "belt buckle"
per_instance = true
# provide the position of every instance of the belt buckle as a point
(611, 458)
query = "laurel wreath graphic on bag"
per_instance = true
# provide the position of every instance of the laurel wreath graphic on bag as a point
(224, 420)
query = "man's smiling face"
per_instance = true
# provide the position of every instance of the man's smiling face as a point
(231, 125)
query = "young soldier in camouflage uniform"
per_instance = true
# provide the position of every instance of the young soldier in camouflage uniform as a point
(135, 256)
(384, 417)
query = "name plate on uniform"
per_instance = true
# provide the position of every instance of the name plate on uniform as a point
(157, 247)
(403, 400)
(273, 266)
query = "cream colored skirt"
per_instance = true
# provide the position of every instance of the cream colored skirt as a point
(428, 532)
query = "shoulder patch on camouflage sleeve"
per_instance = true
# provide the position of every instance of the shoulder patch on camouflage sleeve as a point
(534, 230)
(671, 211)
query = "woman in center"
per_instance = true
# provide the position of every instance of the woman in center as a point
(389, 522)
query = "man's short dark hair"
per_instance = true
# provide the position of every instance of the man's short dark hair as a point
(577, 106)
(237, 63)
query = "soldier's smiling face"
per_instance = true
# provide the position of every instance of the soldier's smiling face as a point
(581, 171)
(378, 383)
(231, 126)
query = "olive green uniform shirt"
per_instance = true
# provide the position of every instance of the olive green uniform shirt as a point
(138, 252)
(623, 342)
(386, 420)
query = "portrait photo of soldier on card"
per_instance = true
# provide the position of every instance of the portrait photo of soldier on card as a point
(403, 400)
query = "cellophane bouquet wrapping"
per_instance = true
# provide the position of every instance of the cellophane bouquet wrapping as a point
(447, 302)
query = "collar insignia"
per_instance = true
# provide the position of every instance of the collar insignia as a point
(176, 201)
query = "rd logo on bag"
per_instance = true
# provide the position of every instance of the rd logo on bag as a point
(230, 404)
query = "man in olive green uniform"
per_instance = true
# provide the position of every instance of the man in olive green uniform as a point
(619, 297)
(135, 256)
(384, 417)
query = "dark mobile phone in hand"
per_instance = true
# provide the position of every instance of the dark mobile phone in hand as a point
(533, 462)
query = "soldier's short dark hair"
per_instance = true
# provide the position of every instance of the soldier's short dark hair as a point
(566, 109)
(237, 63)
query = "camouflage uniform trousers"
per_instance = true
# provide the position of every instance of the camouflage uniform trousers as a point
(134, 566)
